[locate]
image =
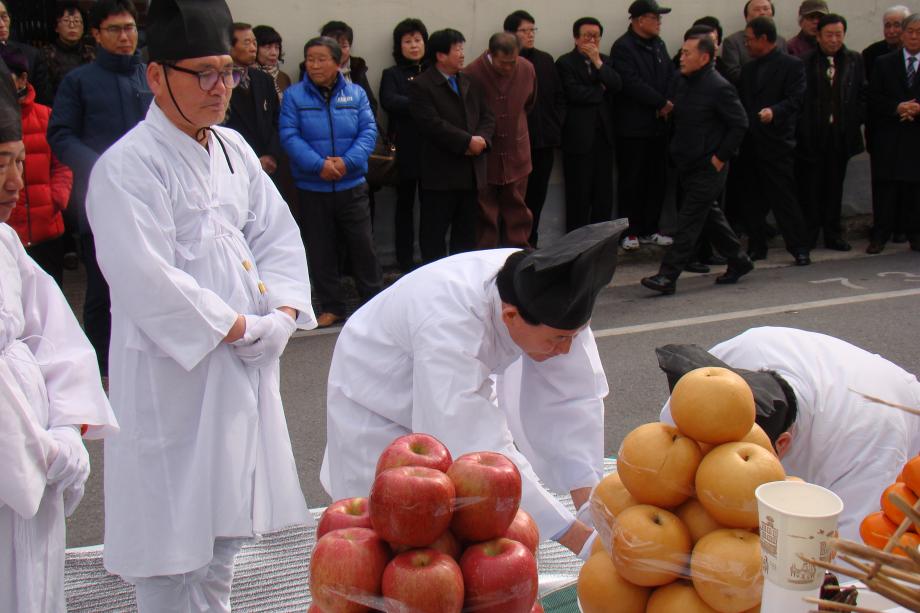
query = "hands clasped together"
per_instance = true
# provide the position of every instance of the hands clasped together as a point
(265, 338)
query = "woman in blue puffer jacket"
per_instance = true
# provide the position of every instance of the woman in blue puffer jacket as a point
(328, 130)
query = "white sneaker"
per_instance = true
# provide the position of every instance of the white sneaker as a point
(657, 239)
(630, 243)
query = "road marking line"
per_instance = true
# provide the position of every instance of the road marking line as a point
(708, 319)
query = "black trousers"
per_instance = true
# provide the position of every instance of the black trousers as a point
(820, 185)
(49, 255)
(454, 210)
(535, 198)
(897, 210)
(642, 165)
(588, 185)
(404, 222)
(97, 308)
(770, 184)
(324, 217)
(701, 214)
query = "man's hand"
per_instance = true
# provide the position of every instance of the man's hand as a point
(477, 146)
(329, 171)
(908, 110)
(575, 537)
(766, 115)
(70, 468)
(269, 164)
(265, 338)
(665, 111)
(717, 164)
(591, 51)
(339, 164)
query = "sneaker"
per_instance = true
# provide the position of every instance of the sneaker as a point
(630, 243)
(657, 239)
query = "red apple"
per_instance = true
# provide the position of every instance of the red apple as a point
(448, 543)
(499, 576)
(423, 581)
(346, 569)
(524, 530)
(415, 450)
(537, 608)
(347, 513)
(411, 505)
(488, 487)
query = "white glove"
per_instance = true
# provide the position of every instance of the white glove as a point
(70, 469)
(265, 338)
(585, 552)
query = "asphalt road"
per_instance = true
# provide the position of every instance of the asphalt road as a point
(870, 301)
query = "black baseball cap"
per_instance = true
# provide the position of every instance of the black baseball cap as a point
(642, 7)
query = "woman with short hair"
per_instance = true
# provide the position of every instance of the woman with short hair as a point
(270, 56)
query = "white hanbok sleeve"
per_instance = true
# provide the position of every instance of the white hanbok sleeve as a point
(129, 210)
(274, 239)
(451, 400)
(64, 355)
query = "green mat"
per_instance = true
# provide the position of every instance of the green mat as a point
(561, 601)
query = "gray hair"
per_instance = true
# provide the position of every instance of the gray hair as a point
(900, 9)
(325, 41)
(910, 20)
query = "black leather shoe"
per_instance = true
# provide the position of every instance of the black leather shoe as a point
(697, 267)
(802, 258)
(898, 238)
(735, 271)
(660, 283)
(715, 260)
(875, 248)
(757, 254)
(837, 244)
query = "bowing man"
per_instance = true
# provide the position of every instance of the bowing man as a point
(209, 280)
(812, 394)
(50, 390)
(487, 351)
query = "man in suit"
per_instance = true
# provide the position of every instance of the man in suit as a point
(544, 122)
(709, 125)
(641, 59)
(830, 129)
(253, 110)
(588, 81)
(894, 104)
(456, 125)
(734, 52)
(772, 90)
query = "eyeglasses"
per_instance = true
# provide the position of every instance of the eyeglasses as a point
(5, 17)
(71, 21)
(207, 79)
(527, 30)
(128, 28)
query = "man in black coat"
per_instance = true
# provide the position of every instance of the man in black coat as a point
(709, 125)
(544, 122)
(253, 110)
(588, 81)
(456, 126)
(641, 59)
(894, 105)
(830, 129)
(772, 90)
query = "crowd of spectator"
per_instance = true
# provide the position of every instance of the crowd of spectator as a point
(475, 142)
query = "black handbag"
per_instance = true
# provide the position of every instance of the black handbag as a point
(381, 165)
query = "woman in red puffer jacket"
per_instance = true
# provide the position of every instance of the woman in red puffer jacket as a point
(37, 217)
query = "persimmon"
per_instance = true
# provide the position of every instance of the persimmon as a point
(901, 491)
(911, 475)
(876, 529)
(908, 540)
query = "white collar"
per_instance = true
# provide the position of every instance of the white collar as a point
(908, 54)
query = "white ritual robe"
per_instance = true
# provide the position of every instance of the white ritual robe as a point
(185, 245)
(48, 366)
(423, 357)
(840, 440)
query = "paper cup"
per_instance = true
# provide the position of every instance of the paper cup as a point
(796, 519)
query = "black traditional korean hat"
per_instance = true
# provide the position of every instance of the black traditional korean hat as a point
(182, 29)
(10, 111)
(557, 286)
(774, 399)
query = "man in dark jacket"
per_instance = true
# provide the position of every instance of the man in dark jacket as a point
(641, 59)
(96, 105)
(810, 12)
(253, 110)
(709, 124)
(38, 70)
(894, 92)
(734, 52)
(353, 68)
(545, 119)
(588, 81)
(772, 90)
(830, 129)
(456, 126)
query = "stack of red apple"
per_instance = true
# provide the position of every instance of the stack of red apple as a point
(434, 536)
(677, 520)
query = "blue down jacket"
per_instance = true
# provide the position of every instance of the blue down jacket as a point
(313, 129)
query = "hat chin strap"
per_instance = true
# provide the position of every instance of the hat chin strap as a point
(200, 133)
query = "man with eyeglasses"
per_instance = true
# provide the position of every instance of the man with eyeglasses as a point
(38, 70)
(209, 281)
(70, 48)
(97, 104)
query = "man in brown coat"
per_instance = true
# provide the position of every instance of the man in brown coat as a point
(509, 82)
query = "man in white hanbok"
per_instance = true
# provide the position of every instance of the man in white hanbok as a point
(50, 390)
(209, 279)
(811, 393)
(489, 350)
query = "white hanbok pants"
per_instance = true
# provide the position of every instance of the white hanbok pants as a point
(204, 589)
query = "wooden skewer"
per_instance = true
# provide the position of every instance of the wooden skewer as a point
(839, 606)
(896, 537)
(876, 555)
(882, 579)
(887, 403)
(880, 586)
(905, 508)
